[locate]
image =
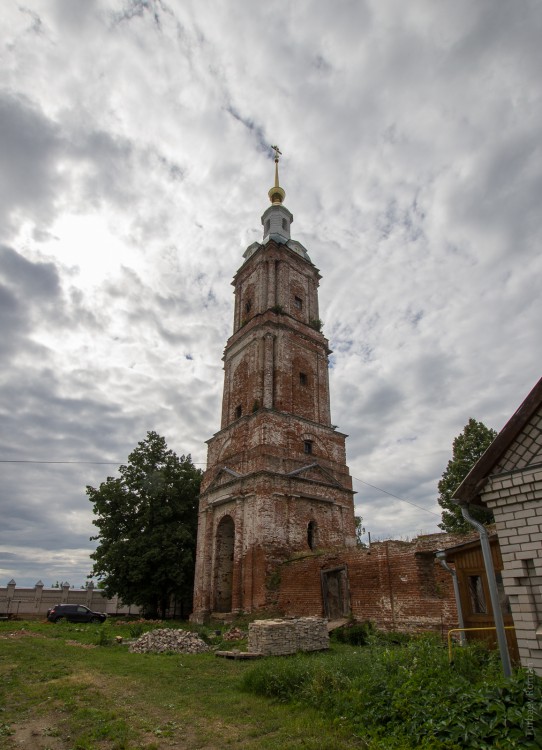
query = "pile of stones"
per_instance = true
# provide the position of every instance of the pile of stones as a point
(167, 640)
(234, 634)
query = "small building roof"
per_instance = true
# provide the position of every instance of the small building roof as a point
(469, 544)
(470, 488)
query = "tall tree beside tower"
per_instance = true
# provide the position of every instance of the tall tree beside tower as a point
(468, 447)
(147, 522)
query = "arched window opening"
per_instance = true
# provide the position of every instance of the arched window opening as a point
(312, 533)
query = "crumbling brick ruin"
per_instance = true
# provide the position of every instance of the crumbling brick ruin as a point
(397, 585)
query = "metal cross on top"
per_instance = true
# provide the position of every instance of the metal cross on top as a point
(276, 194)
(277, 151)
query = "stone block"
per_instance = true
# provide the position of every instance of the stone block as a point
(287, 636)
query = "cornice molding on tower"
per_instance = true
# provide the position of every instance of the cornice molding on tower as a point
(276, 479)
(287, 249)
(282, 415)
(278, 321)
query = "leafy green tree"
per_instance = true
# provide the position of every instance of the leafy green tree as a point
(147, 522)
(360, 531)
(467, 449)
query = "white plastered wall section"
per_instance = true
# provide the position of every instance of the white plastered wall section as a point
(515, 497)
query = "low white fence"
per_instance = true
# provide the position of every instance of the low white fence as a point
(33, 603)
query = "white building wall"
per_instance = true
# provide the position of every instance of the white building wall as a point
(515, 497)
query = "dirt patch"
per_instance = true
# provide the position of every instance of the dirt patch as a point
(86, 679)
(36, 734)
(42, 733)
(20, 634)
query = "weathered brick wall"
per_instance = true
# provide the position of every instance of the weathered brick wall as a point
(397, 585)
(277, 467)
(275, 340)
(271, 516)
(275, 441)
(282, 637)
(276, 347)
(274, 275)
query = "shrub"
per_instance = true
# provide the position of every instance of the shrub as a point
(205, 633)
(279, 678)
(505, 715)
(410, 696)
(104, 636)
(356, 634)
(136, 629)
(393, 638)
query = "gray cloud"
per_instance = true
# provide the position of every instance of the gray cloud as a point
(29, 149)
(32, 280)
(29, 291)
(134, 173)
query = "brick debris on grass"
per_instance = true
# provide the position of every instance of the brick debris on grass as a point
(169, 640)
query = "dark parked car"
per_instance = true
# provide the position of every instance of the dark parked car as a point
(74, 613)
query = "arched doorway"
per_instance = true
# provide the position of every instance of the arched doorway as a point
(225, 538)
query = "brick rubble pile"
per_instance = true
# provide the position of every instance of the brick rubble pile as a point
(281, 637)
(166, 640)
(234, 634)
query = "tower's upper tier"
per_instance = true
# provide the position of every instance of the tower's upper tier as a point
(276, 220)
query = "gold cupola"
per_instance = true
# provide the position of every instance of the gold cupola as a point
(276, 193)
(276, 219)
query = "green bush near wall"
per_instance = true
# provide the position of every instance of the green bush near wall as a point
(356, 634)
(409, 697)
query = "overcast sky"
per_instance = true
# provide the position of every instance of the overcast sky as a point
(134, 169)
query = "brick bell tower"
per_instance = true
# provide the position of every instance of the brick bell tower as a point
(277, 483)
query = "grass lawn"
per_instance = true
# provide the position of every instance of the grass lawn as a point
(60, 690)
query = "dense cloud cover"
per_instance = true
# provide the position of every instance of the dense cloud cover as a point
(134, 168)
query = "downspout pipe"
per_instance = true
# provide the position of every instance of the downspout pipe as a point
(440, 554)
(493, 592)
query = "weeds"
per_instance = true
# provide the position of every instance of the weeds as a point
(5, 730)
(354, 633)
(409, 697)
(136, 629)
(104, 637)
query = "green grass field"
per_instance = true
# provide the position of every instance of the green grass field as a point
(60, 690)
(73, 687)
